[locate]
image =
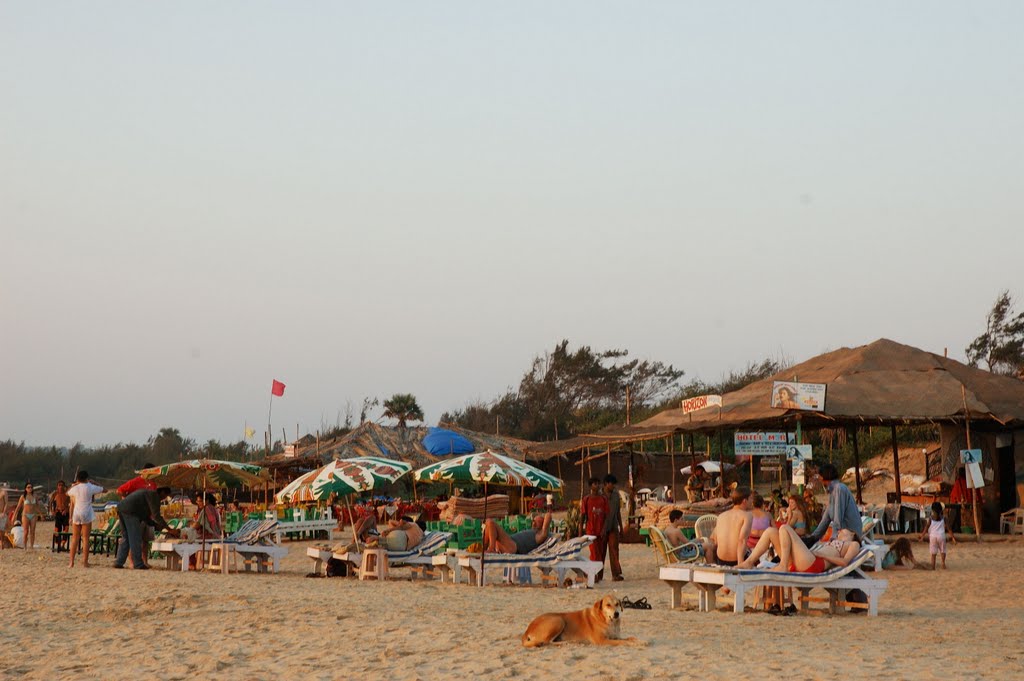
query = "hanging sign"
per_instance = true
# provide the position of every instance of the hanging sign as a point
(695, 403)
(799, 453)
(802, 396)
(763, 444)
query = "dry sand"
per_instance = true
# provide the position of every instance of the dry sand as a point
(963, 623)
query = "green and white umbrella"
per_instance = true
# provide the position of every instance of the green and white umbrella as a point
(489, 468)
(206, 474)
(358, 474)
(299, 489)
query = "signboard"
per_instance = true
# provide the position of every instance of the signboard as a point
(695, 403)
(970, 456)
(771, 464)
(799, 472)
(763, 444)
(799, 453)
(802, 396)
(974, 478)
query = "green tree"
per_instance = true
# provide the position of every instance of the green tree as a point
(402, 407)
(168, 445)
(1001, 347)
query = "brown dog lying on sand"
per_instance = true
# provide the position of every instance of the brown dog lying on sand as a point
(598, 624)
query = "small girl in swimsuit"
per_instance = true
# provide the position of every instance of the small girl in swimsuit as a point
(29, 508)
(936, 532)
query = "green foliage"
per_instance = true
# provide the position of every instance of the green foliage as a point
(403, 407)
(1001, 347)
(567, 392)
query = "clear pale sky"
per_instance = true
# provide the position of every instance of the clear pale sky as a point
(360, 199)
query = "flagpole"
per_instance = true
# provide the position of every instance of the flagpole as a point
(270, 410)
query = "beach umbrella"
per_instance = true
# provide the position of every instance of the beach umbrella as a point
(709, 466)
(345, 477)
(358, 474)
(444, 442)
(299, 489)
(490, 468)
(206, 474)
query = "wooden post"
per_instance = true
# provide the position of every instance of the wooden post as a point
(856, 465)
(672, 462)
(972, 492)
(609, 458)
(721, 460)
(896, 466)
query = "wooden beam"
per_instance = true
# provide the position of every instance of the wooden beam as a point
(896, 465)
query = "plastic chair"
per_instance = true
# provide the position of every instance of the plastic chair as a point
(705, 525)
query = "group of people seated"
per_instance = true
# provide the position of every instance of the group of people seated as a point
(745, 533)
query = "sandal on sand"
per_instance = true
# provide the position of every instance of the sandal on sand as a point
(641, 604)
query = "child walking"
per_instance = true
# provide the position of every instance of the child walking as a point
(936, 532)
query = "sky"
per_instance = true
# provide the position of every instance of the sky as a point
(362, 199)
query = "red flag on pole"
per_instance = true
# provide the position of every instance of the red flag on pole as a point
(277, 388)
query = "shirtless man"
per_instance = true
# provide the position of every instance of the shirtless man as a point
(60, 507)
(674, 533)
(728, 543)
(794, 556)
(496, 540)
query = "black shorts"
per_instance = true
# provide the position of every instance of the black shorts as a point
(60, 522)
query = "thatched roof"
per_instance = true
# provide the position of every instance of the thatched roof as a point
(405, 444)
(882, 383)
(613, 436)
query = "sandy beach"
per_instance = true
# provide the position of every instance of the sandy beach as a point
(101, 623)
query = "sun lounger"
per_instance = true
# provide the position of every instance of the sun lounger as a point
(555, 559)
(708, 579)
(250, 542)
(419, 556)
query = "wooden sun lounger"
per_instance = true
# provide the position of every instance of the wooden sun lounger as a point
(248, 542)
(554, 559)
(708, 579)
(421, 557)
(297, 527)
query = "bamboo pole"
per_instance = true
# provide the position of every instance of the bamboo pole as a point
(672, 462)
(856, 465)
(896, 464)
(972, 492)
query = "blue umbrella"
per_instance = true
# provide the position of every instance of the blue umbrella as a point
(442, 442)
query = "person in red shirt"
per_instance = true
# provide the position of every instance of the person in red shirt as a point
(594, 511)
(148, 533)
(136, 483)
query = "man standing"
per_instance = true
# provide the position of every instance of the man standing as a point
(594, 512)
(60, 507)
(841, 510)
(613, 526)
(135, 510)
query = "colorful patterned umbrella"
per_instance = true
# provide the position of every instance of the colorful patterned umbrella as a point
(359, 474)
(206, 474)
(299, 489)
(489, 468)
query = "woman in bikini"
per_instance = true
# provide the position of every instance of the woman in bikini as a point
(794, 556)
(795, 515)
(762, 520)
(30, 509)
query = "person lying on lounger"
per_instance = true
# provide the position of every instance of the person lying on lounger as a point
(794, 556)
(402, 534)
(496, 540)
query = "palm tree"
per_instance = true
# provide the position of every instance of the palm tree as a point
(403, 407)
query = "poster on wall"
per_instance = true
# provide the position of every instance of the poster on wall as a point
(801, 396)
